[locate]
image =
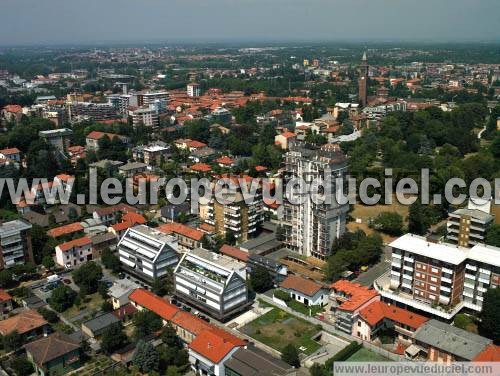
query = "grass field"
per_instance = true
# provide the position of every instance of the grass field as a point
(365, 355)
(365, 213)
(90, 305)
(278, 328)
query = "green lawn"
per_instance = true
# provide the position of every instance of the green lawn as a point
(91, 304)
(277, 328)
(365, 355)
(305, 310)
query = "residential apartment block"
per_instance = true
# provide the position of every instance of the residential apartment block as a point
(311, 228)
(467, 227)
(147, 253)
(439, 278)
(211, 282)
(15, 243)
(74, 252)
(240, 217)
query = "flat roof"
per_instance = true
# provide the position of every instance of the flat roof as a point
(14, 226)
(440, 251)
(474, 213)
(217, 259)
(486, 254)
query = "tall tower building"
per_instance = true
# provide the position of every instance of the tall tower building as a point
(311, 227)
(363, 81)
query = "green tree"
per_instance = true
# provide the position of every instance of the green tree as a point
(260, 279)
(489, 325)
(107, 306)
(493, 235)
(12, 341)
(5, 278)
(110, 260)
(290, 355)
(22, 366)
(48, 315)
(87, 277)
(462, 321)
(113, 338)
(146, 357)
(62, 298)
(48, 262)
(145, 323)
(317, 370)
(418, 222)
(389, 222)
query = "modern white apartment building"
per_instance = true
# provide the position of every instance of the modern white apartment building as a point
(213, 283)
(145, 116)
(439, 278)
(193, 90)
(147, 253)
(311, 228)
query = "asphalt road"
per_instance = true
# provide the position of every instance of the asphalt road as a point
(367, 278)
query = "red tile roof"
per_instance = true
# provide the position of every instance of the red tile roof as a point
(225, 160)
(190, 322)
(357, 294)
(15, 108)
(201, 167)
(65, 230)
(96, 135)
(10, 151)
(4, 296)
(302, 285)
(234, 252)
(23, 322)
(112, 209)
(288, 134)
(179, 228)
(195, 144)
(377, 311)
(260, 168)
(215, 344)
(154, 303)
(490, 354)
(80, 242)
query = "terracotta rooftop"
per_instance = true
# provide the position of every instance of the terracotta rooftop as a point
(23, 322)
(490, 354)
(190, 322)
(96, 135)
(10, 151)
(234, 252)
(357, 295)
(80, 242)
(302, 285)
(154, 303)
(179, 228)
(65, 230)
(377, 311)
(201, 167)
(215, 344)
(4, 296)
(225, 160)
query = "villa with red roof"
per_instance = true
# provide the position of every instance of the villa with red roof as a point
(92, 139)
(225, 161)
(305, 290)
(347, 300)
(5, 304)
(201, 168)
(211, 349)
(74, 252)
(283, 139)
(13, 154)
(379, 315)
(188, 238)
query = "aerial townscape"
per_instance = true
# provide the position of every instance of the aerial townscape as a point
(234, 286)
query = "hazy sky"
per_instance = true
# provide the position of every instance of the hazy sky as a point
(90, 21)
